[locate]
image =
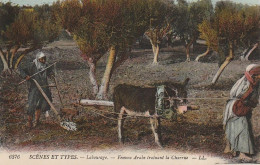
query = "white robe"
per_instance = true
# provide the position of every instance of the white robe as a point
(237, 91)
(238, 129)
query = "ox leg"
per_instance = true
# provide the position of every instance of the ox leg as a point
(120, 124)
(155, 124)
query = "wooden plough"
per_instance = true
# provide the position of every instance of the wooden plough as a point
(71, 126)
(96, 103)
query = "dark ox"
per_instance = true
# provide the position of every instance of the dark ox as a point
(137, 101)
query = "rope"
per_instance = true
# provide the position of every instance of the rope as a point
(93, 111)
(200, 98)
(193, 98)
(128, 116)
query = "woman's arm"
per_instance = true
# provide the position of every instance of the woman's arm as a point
(24, 72)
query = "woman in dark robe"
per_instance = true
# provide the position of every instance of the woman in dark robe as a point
(36, 102)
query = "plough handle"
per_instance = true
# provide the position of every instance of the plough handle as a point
(56, 85)
(37, 73)
(47, 99)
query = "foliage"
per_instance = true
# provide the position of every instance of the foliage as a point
(29, 28)
(180, 24)
(99, 24)
(251, 30)
(7, 16)
(124, 21)
(234, 24)
(67, 13)
(159, 13)
(209, 34)
(189, 15)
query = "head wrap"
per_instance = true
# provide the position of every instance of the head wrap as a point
(40, 66)
(252, 69)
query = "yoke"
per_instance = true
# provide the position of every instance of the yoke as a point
(162, 106)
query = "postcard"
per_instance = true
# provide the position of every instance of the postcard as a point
(129, 82)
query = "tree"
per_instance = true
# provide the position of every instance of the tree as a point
(190, 15)
(79, 19)
(233, 25)
(28, 29)
(7, 16)
(103, 26)
(210, 36)
(124, 20)
(252, 30)
(160, 14)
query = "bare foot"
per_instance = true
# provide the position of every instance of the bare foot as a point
(234, 153)
(227, 149)
(244, 158)
(47, 115)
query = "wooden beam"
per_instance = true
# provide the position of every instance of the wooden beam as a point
(96, 102)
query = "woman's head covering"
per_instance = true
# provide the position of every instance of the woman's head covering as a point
(40, 55)
(252, 69)
(38, 64)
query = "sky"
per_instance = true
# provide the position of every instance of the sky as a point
(40, 2)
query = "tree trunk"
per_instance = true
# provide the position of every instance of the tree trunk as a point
(188, 49)
(248, 54)
(68, 32)
(155, 47)
(188, 52)
(12, 56)
(242, 57)
(18, 61)
(225, 63)
(7, 57)
(155, 53)
(6, 68)
(102, 94)
(202, 55)
(92, 75)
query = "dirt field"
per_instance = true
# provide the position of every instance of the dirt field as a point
(196, 131)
